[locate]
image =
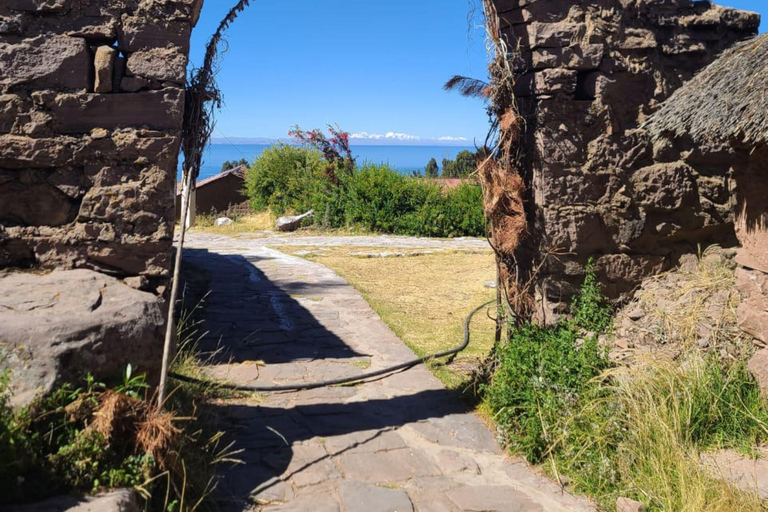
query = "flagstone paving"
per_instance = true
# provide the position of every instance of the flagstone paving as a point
(401, 443)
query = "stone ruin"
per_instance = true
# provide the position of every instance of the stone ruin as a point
(91, 111)
(588, 75)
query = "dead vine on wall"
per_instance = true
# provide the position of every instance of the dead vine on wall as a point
(506, 190)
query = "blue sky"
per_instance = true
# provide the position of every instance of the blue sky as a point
(370, 66)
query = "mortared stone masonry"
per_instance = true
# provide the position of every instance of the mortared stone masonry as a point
(91, 110)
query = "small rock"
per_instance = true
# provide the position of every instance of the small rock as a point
(703, 344)
(628, 505)
(490, 284)
(636, 313)
(104, 64)
(137, 282)
(99, 133)
(689, 263)
(224, 221)
(622, 344)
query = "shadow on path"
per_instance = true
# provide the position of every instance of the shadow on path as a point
(248, 318)
(267, 435)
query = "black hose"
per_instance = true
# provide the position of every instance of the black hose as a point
(347, 380)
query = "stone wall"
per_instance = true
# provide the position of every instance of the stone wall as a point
(91, 108)
(589, 72)
(752, 230)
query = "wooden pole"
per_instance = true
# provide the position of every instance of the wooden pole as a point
(186, 188)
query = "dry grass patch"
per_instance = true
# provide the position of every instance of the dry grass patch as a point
(257, 221)
(424, 299)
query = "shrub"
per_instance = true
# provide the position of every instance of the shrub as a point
(284, 178)
(543, 373)
(375, 197)
(628, 431)
(381, 199)
(91, 438)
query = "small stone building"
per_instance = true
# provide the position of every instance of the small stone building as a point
(724, 111)
(588, 75)
(221, 193)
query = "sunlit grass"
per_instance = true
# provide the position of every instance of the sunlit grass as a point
(424, 299)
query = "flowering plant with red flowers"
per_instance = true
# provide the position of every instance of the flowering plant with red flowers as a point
(335, 149)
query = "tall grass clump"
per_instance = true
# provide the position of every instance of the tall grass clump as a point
(634, 431)
(290, 179)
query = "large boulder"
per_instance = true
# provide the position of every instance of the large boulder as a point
(61, 326)
(121, 500)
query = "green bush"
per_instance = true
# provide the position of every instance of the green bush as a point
(287, 179)
(626, 431)
(284, 179)
(543, 373)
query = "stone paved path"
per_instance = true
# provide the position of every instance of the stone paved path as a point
(273, 239)
(402, 443)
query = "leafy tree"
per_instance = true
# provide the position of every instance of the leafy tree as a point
(432, 171)
(464, 165)
(234, 163)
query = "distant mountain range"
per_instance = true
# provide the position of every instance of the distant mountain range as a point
(353, 141)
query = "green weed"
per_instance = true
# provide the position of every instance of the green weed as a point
(625, 431)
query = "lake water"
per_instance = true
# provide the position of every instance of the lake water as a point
(403, 158)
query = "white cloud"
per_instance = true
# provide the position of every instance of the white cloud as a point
(448, 138)
(401, 136)
(388, 135)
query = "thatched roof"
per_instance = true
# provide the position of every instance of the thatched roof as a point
(726, 102)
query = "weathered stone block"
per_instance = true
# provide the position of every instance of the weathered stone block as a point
(10, 107)
(542, 35)
(753, 309)
(547, 81)
(79, 113)
(104, 64)
(35, 204)
(134, 84)
(18, 152)
(579, 57)
(95, 28)
(59, 326)
(638, 39)
(665, 188)
(39, 6)
(163, 64)
(142, 33)
(46, 61)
